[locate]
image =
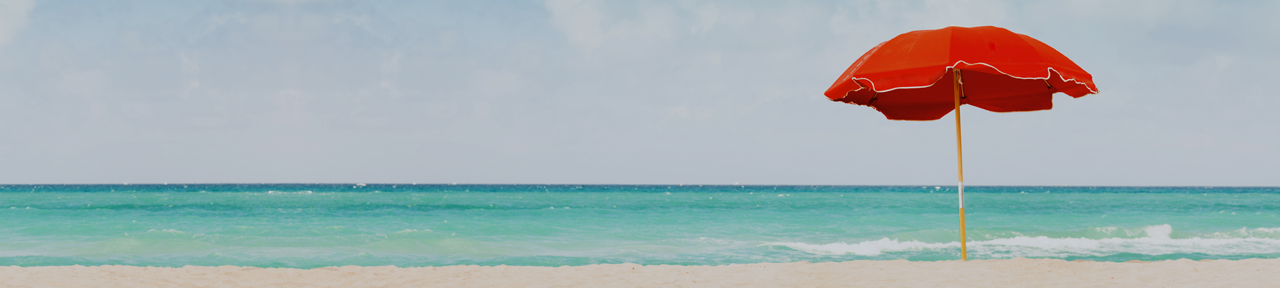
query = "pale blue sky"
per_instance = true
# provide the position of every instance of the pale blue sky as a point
(713, 92)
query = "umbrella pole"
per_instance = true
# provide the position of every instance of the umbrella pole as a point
(956, 86)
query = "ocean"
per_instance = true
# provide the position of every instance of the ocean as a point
(416, 225)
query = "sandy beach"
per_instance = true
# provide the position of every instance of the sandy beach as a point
(1018, 272)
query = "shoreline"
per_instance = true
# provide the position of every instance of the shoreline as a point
(975, 273)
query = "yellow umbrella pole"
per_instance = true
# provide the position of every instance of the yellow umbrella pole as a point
(957, 86)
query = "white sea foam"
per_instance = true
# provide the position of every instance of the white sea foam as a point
(413, 230)
(1158, 231)
(866, 248)
(1245, 232)
(1157, 241)
(166, 231)
(1267, 230)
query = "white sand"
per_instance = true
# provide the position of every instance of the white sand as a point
(979, 273)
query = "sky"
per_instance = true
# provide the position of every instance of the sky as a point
(613, 92)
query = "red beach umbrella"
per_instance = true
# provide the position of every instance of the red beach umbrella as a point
(925, 74)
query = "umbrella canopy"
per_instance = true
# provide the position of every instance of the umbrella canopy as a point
(923, 75)
(907, 78)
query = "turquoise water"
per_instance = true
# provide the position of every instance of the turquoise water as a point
(317, 225)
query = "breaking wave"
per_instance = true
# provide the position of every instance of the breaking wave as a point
(1156, 241)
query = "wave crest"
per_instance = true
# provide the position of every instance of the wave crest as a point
(1157, 241)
